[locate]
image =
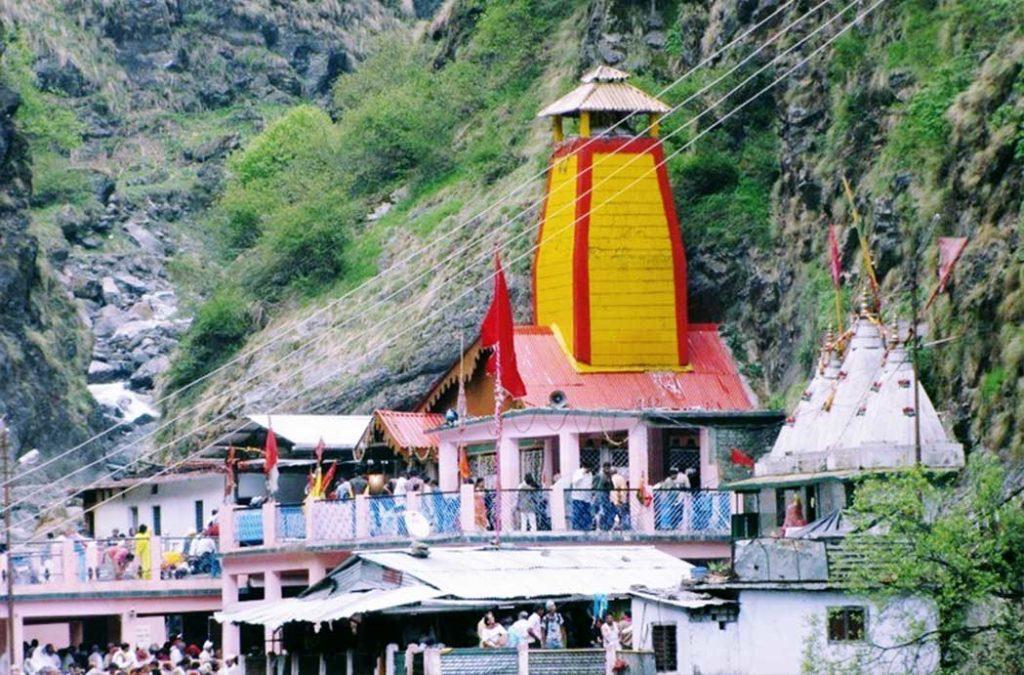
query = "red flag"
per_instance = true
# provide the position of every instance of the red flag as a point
(740, 458)
(319, 451)
(270, 459)
(834, 263)
(950, 250)
(497, 331)
(329, 476)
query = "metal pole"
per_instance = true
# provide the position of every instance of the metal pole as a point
(7, 541)
(914, 321)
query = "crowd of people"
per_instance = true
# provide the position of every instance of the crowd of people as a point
(174, 657)
(119, 556)
(545, 628)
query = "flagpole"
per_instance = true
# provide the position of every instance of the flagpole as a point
(499, 398)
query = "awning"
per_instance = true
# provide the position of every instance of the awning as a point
(275, 613)
(797, 479)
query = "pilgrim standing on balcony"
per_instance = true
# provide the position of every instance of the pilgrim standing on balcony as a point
(142, 552)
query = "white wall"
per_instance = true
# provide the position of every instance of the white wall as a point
(776, 628)
(700, 645)
(176, 501)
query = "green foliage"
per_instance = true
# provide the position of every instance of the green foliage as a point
(289, 222)
(992, 382)
(221, 325)
(848, 54)
(48, 124)
(53, 180)
(923, 132)
(959, 548)
(702, 175)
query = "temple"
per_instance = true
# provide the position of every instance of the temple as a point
(617, 379)
(857, 417)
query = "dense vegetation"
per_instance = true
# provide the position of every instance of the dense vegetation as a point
(292, 220)
(960, 548)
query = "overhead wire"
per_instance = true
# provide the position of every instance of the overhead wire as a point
(292, 326)
(719, 101)
(484, 234)
(856, 21)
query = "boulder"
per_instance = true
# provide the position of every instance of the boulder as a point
(108, 321)
(141, 310)
(146, 375)
(100, 372)
(146, 240)
(131, 283)
(111, 293)
(86, 288)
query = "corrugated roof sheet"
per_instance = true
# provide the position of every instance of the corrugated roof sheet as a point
(599, 96)
(471, 573)
(713, 383)
(276, 613)
(305, 431)
(408, 430)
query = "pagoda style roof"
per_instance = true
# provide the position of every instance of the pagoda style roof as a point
(604, 89)
(858, 413)
(711, 383)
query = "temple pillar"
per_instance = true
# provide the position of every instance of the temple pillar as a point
(226, 522)
(271, 593)
(568, 454)
(708, 461)
(448, 466)
(269, 516)
(156, 556)
(547, 474)
(508, 453)
(641, 515)
(230, 636)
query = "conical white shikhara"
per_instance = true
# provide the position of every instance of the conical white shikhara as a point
(858, 413)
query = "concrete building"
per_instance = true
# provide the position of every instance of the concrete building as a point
(764, 628)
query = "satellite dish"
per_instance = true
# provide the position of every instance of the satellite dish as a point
(417, 525)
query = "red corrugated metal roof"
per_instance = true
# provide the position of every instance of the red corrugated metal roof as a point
(408, 430)
(713, 383)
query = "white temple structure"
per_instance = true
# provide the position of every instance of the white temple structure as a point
(857, 415)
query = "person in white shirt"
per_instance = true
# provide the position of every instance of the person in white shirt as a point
(492, 633)
(96, 658)
(519, 633)
(609, 632)
(533, 625)
(206, 655)
(123, 657)
(177, 651)
(582, 491)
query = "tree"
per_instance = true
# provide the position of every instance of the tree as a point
(961, 547)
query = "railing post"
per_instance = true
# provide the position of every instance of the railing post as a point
(269, 516)
(557, 507)
(226, 527)
(68, 564)
(156, 556)
(467, 510)
(362, 516)
(524, 658)
(389, 659)
(310, 513)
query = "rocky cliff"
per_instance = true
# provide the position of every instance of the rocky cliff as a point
(43, 348)
(919, 105)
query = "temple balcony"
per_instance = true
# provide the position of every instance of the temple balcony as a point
(66, 567)
(476, 516)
